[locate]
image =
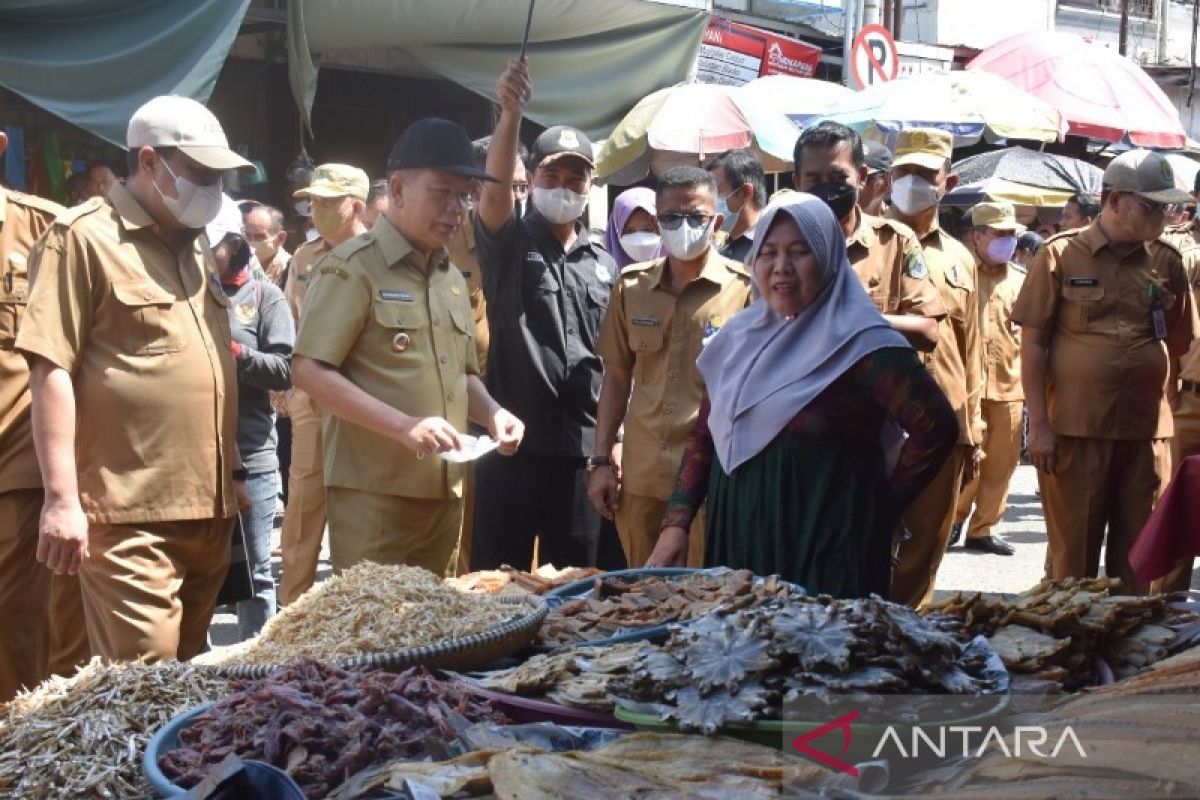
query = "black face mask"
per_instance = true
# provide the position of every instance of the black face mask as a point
(840, 196)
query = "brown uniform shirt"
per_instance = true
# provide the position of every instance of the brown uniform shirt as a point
(658, 335)
(888, 261)
(23, 218)
(462, 255)
(300, 273)
(956, 363)
(142, 326)
(1107, 373)
(1001, 337)
(402, 335)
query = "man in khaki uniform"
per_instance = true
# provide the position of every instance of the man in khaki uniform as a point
(1106, 315)
(386, 349)
(993, 240)
(134, 392)
(42, 630)
(343, 189)
(1185, 410)
(884, 253)
(920, 177)
(659, 316)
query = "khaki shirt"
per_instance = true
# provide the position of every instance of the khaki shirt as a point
(888, 261)
(301, 272)
(23, 218)
(402, 335)
(462, 255)
(1001, 337)
(658, 335)
(1107, 373)
(142, 326)
(956, 363)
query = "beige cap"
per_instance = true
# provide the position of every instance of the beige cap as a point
(228, 220)
(337, 180)
(182, 123)
(1145, 173)
(1000, 216)
(925, 147)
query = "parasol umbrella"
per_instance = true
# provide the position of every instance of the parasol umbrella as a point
(800, 99)
(1100, 93)
(1032, 168)
(971, 106)
(687, 124)
(1002, 189)
(1185, 170)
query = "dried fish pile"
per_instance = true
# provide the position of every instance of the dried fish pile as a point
(322, 724)
(578, 677)
(740, 667)
(372, 608)
(618, 604)
(83, 736)
(1055, 632)
(509, 580)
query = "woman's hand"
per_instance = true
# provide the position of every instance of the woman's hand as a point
(671, 550)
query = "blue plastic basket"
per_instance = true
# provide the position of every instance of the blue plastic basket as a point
(163, 741)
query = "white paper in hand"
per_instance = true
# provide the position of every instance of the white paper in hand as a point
(473, 447)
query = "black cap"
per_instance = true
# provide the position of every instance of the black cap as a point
(440, 144)
(558, 141)
(878, 156)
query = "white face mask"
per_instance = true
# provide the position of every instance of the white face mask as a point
(196, 206)
(641, 246)
(913, 194)
(558, 206)
(686, 242)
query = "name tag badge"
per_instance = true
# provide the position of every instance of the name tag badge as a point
(1083, 281)
(535, 257)
(395, 296)
(1159, 319)
(645, 322)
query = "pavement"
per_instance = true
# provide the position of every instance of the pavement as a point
(1023, 527)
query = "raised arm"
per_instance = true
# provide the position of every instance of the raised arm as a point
(496, 199)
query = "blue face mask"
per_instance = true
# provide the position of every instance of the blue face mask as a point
(724, 210)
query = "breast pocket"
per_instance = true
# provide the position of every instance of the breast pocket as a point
(13, 297)
(403, 333)
(596, 299)
(464, 334)
(646, 341)
(153, 320)
(1082, 306)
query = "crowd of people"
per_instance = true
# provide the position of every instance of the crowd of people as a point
(830, 383)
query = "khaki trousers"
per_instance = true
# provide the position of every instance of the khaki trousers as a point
(1186, 443)
(1101, 484)
(304, 517)
(386, 529)
(149, 587)
(988, 492)
(929, 519)
(638, 521)
(42, 631)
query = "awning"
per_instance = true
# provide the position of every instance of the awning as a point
(93, 62)
(590, 61)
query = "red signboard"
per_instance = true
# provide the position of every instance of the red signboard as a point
(734, 54)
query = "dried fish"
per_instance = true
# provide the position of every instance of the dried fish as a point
(372, 608)
(84, 735)
(509, 580)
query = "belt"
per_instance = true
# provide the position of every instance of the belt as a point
(1190, 386)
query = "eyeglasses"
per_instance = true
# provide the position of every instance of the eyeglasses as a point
(1149, 206)
(673, 221)
(520, 188)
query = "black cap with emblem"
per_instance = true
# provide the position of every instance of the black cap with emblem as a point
(433, 143)
(558, 142)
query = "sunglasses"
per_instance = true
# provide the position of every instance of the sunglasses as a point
(1149, 206)
(673, 221)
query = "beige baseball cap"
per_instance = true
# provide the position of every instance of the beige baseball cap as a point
(1000, 216)
(926, 147)
(336, 180)
(228, 220)
(1145, 173)
(180, 122)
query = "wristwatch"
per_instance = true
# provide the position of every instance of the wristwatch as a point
(594, 462)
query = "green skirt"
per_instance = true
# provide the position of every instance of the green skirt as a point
(812, 510)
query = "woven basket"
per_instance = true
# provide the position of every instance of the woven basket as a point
(468, 653)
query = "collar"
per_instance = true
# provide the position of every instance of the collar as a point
(539, 228)
(396, 248)
(935, 228)
(860, 230)
(133, 216)
(715, 270)
(1096, 239)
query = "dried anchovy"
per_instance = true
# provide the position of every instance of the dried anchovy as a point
(372, 608)
(321, 724)
(84, 736)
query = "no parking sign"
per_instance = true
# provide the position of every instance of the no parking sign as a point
(873, 57)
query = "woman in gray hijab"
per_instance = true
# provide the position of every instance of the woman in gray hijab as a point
(798, 389)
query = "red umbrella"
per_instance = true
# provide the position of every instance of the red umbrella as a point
(1100, 93)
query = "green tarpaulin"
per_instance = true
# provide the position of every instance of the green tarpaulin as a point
(591, 60)
(93, 62)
